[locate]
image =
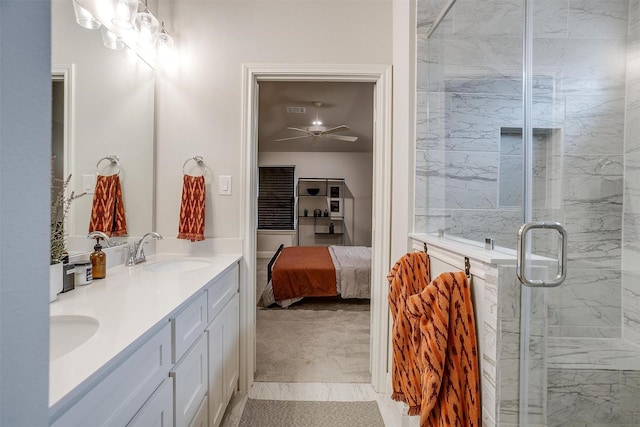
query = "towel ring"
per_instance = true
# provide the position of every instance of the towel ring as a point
(113, 159)
(198, 159)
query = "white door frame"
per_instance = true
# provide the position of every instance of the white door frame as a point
(381, 206)
(66, 74)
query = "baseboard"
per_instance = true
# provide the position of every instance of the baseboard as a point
(264, 254)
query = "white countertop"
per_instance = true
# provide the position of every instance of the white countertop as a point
(130, 304)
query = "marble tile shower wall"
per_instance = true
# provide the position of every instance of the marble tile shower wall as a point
(631, 214)
(474, 97)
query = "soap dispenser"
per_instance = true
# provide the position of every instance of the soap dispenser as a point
(98, 261)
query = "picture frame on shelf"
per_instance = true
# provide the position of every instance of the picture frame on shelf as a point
(334, 191)
(335, 208)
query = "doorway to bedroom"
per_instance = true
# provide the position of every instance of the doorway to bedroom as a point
(315, 185)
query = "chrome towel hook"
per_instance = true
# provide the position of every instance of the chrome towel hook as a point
(467, 267)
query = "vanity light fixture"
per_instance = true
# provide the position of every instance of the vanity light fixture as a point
(163, 39)
(110, 40)
(125, 13)
(146, 25)
(84, 18)
(129, 23)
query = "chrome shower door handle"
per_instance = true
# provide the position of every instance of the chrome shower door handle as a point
(521, 267)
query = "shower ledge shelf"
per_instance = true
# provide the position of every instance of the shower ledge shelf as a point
(473, 250)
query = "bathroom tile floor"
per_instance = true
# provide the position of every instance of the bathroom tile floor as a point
(335, 392)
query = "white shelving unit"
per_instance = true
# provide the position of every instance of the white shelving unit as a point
(320, 211)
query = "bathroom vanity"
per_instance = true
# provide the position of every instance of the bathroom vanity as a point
(153, 344)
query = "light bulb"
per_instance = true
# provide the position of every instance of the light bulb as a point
(164, 45)
(84, 18)
(146, 26)
(110, 40)
(164, 40)
(125, 12)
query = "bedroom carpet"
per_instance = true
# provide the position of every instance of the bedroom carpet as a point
(287, 413)
(312, 346)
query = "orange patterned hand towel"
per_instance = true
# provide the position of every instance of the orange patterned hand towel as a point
(444, 331)
(192, 209)
(107, 211)
(408, 276)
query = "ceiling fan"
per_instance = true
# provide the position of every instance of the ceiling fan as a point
(317, 130)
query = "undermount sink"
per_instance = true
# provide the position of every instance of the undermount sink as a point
(68, 332)
(176, 265)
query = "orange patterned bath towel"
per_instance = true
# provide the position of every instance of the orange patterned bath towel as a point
(444, 331)
(408, 276)
(107, 210)
(191, 225)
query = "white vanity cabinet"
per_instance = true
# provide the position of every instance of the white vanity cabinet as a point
(179, 370)
(207, 374)
(223, 341)
(123, 392)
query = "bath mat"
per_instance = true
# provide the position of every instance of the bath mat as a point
(289, 413)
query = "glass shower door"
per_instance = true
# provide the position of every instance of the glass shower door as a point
(580, 341)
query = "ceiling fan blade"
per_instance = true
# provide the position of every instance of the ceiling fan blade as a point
(336, 129)
(293, 137)
(343, 138)
(301, 130)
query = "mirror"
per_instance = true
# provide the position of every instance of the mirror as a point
(109, 111)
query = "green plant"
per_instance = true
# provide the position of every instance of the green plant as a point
(60, 206)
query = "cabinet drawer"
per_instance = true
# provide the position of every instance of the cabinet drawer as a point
(158, 411)
(190, 378)
(202, 416)
(117, 398)
(188, 325)
(221, 291)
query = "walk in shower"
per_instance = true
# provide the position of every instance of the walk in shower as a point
(529, 111)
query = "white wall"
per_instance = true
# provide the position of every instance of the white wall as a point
(355, 168)
(25, 150)
(199, 101)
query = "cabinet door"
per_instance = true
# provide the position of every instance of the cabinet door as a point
(158, 410)
(201, 419)
(221, 291)
(231, 346)
(190, 376)
(216, 370)
(188, 326)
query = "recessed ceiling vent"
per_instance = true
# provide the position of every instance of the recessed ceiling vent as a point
(296, 110)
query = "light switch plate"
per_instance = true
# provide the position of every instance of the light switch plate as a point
(224, 185)
(88, 183)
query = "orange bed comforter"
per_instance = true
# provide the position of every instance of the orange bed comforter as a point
(304, 271)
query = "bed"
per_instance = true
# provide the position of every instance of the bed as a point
(296, 272)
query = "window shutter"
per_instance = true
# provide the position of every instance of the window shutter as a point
(276, 198)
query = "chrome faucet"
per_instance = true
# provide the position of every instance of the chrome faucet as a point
(101, 235)
(136, 255)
